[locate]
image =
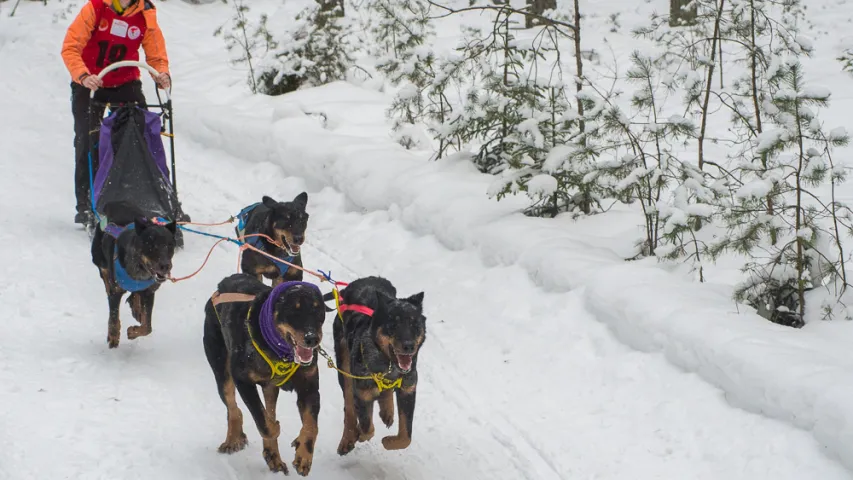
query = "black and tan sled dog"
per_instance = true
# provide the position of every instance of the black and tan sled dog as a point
(285, 224)
(255, 335)
(377, 339)
(133, 254)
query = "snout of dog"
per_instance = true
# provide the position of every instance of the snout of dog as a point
(299, 319)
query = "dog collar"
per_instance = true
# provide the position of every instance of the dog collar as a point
(266, 320)
(356, 308)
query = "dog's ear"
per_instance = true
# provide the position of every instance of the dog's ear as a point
(417, 300)
(172, 227)
(382, 301)
(301, 199)
(269, 202)
(140, 224)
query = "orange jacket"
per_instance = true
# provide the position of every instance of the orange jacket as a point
(80, 32)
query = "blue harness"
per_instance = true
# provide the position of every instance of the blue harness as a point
(258, 242)
(122, 278)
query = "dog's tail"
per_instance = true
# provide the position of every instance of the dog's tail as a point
(214, 347)
(326, 298)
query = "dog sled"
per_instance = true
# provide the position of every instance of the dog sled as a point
(128, 163)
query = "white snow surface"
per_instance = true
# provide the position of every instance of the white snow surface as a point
(547, 357)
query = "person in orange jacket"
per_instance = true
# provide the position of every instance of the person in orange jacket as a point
(105, 32)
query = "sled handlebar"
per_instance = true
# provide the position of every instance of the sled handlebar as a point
(132, 63)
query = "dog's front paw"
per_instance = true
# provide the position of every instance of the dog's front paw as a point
(137, 331)
(302, 462)
(366, 436)
(396, 442)
(387, 417)
(347, 445)
(113, 333)
(234, 445)
(274, 462)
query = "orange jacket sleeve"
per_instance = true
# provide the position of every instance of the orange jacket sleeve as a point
(154, 44)
(76, 38)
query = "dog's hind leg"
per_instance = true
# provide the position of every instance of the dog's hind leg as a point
(218, 358)
(308, 402)
(269, 428)
(350, 434)
(406, 405)
(144, 306)
(364, 400)
(235, 439)
(386, 407)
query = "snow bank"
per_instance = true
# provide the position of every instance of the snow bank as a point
(796, 376)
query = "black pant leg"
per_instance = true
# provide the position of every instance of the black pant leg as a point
(80, 111)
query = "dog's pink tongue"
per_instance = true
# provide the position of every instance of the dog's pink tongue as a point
(404, 362)
(304, 354)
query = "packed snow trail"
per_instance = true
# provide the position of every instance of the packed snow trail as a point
(515, 382)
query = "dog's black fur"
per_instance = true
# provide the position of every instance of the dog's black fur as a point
(236, 365)
(284, 222)
(386, 342)
(145, 252)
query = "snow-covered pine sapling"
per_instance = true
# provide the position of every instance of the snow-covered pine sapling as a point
(245, 39)
(313, 51)
(645, 166)
(757, 33)
(501, 98)
(846, 57)
(808, 253)
(404, 27)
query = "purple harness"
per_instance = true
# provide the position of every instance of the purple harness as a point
(266, 320)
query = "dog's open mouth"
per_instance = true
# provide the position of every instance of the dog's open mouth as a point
(301, 355)
(158, 277)
(292, 250)
(404, 361)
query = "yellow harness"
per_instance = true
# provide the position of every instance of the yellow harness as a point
(382, 383)
(279, 368)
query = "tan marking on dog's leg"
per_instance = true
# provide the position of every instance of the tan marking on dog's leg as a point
(146, 305)
(135, 302)
(306, 440)
(366, 429)
(114, 322)
(235, 439)
(271, 453)
(406, 408)
(386, 407)
(105, 276)
(350, 434)
(400, 441)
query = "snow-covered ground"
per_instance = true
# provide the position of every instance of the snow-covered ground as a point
(547, 356)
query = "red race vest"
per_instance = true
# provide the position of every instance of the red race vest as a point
(115, 39)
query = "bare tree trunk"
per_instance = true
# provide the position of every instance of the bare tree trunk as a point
(708, 80)
(537, 8)
(679, 15)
